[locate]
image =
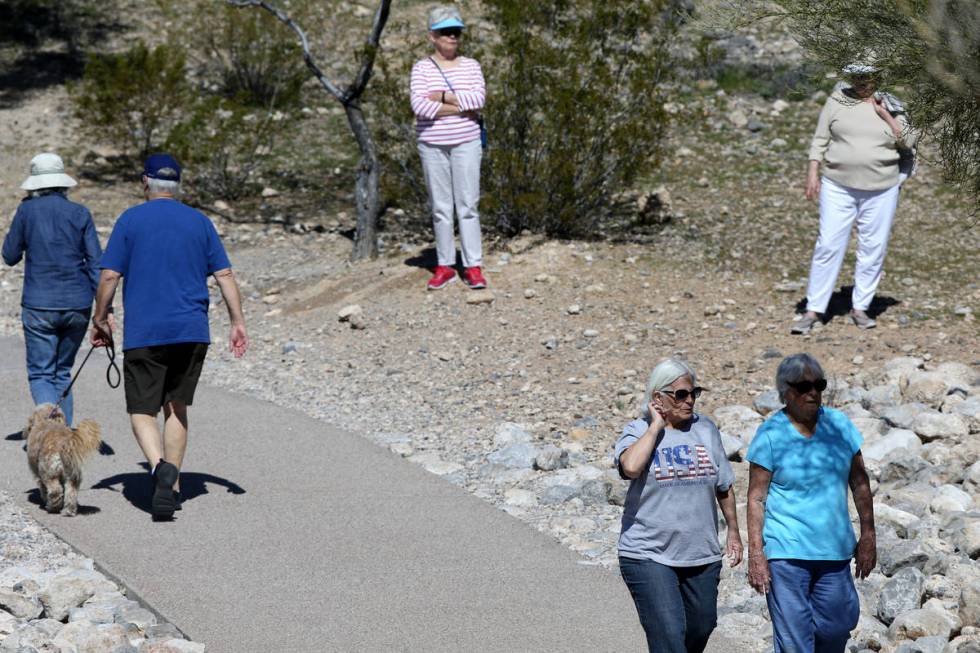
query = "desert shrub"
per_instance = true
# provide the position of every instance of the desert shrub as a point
(245, 56)
(219, 94)
(574, 110)
(133, 99)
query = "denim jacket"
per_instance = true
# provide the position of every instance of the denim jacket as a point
(62, 250)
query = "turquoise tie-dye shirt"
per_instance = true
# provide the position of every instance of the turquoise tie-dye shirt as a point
(806, 510)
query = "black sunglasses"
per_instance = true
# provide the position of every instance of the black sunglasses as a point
(455, 32)
(804, 387)
(683, 394)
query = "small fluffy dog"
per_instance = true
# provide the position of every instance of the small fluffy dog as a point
(55, 454)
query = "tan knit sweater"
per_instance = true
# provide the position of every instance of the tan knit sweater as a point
(856, 147)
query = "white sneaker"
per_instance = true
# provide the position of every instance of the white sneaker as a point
(861, 319)
(803, 325)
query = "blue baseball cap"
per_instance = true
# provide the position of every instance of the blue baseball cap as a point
(162, 166)
(449, 22)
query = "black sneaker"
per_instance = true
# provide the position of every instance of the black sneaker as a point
(164, 502)
(178, 501)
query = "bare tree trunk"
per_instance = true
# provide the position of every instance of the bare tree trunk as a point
(367, 191)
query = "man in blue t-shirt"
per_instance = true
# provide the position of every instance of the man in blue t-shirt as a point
(164, 251)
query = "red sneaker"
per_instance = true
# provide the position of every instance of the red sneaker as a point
(441, 278)
(473, 278)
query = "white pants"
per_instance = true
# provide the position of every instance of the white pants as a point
(452, 175)
(840, 206)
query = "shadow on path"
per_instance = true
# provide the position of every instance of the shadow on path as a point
(34, 496)
(840, 305)
(137, 487)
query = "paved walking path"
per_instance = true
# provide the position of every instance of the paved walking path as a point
(298, 537)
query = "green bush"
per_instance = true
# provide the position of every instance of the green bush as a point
(245, 56)
(218, 95)
(135, 98)
(574, 111)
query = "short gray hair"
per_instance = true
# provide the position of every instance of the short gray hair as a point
(793, 368)
(163, 186)
(439, 13)
(666, 372)
(41, 192)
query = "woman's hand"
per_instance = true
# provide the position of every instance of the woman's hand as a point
(733, 547)
(444, 97)
(881, 110)
(759, 572)
(865, 556)
(657, 420)
(886, 115)
(813, 181)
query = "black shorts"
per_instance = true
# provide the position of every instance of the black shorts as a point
(156, 375)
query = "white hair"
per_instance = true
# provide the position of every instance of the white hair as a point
(666, 372)
(163, 186)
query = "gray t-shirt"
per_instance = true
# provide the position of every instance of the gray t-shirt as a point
(671, 515)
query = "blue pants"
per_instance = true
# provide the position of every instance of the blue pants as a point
(813, 605)
(678, 606)
(52, 339)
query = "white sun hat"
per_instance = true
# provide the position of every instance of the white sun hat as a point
(47, 171)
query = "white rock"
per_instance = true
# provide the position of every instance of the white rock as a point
(934, 426)
(959, 375)
(923, 623)
(510, 433)
(733, 446)
(433, 464)
(520, 498)
(925, 387)
(268, 191)
(971, 480)
(86, 637)
(950, 498)
(880, 397)
(871, 428)
(898, 519)
(574, 309)
(8, 623)
(969, 410)
(738, 421)
(69, 590)
(894, 440)
(970, 605)
(346, 312)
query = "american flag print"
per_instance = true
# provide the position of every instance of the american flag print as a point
(683, 462)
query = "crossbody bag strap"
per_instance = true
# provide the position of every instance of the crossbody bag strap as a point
(441, 72)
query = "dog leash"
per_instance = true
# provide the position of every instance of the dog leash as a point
(110, 350)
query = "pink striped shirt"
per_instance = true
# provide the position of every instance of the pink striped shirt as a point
(467, 80)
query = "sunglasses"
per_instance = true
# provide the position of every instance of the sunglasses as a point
(804, 387)
(454, 32)
(682, 394)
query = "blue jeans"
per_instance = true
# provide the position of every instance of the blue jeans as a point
(813, 605)
(678, 606)
(52, 339)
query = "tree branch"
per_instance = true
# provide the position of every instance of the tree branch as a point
(286, 20)
(357, 87)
